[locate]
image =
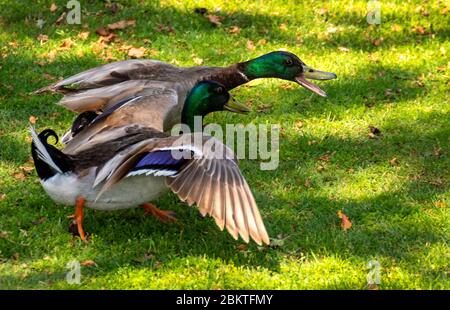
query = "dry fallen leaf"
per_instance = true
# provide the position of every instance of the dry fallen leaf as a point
(3, 234)
(345, 224)
(419, 29)
(122, 24)
(102, 32)
(20, 176)
(393, 161)
(83, 35)
(261, 42)
(42, 38)
(198, 61)
(137, 52)
(88, 263)
(242, 247)
(214, 19)
(439, 204)
(61, 18)
(26, 169)
(234, 30)
(49, 76)
(377, 42)
(250, 45)
(322, 11)
(343, 49)
(282, 27)
(66, 44)
(53, 7)
(396, 28)
(2, 197)
(32, 119)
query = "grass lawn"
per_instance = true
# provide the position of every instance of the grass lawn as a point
(393, 186)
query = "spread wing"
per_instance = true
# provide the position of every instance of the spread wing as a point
(209, 178)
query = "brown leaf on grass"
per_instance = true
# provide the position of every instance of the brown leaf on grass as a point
(234, 30)
(66, 44)
(437, 151)
(50, 55)
(42, 38)
(439, 204)
(444, 11)
(345, 223)
(320, 168)
(307, 183)
(137, 52)
(264, 107)
(343, 49)
(322, 11)
(122, 24)
(61, 18)
(261, 42)
(419, 29)
(250, 45)
(2, 197)
(3, 234)
(16, 256)
(83, 35)
(393, 161)
(396, 28)
(20, 176)
(103, 40)
(53, 7)
(377, 42)
(32, 119)
(325, 157)
(26, 169)
(198, 61)
(214, 19)
(242, 247)
(48, 76)
(282, 27)
(102, 32)
(88, 263)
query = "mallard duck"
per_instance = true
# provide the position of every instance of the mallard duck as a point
(133, 164)
(86, 91)
(157, 105)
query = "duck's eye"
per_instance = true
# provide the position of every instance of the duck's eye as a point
(219, 90)
(289, 62)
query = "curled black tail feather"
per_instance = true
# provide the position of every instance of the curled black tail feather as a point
(45, 134)
(61, 160)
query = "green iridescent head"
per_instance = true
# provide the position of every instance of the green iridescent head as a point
(286, 66)
(207, 97)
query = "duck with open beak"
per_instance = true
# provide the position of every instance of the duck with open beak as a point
(313, 74)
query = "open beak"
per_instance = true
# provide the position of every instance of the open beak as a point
(234, 106)
(310, 73)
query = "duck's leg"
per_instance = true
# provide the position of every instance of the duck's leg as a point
(78, 217)
(162, 215)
